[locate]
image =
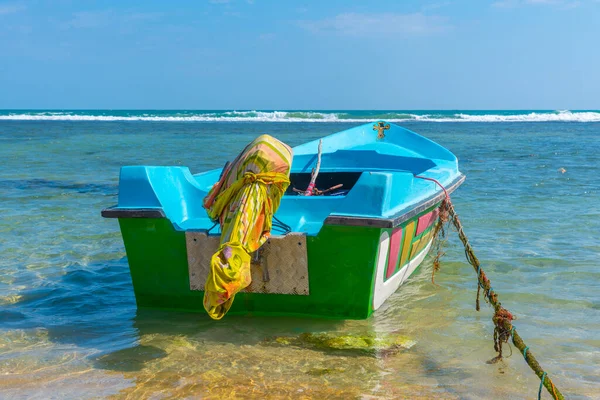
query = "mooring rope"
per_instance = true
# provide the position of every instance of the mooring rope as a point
(315, 173)
(504, 329)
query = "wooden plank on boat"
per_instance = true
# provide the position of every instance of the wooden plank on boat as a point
(282, 266)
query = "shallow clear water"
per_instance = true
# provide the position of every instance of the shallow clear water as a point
(69, 327)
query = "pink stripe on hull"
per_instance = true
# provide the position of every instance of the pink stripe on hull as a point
(426, 220)
(395, 243)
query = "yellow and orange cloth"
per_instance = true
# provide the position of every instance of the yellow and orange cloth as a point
(244, 201)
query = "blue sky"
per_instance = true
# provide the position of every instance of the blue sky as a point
(241, 54)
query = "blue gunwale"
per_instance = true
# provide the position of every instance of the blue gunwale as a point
(385, 195)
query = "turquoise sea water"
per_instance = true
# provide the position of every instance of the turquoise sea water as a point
(305, 116)
(69, 327)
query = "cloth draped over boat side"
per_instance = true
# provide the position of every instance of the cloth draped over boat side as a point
(243, 201)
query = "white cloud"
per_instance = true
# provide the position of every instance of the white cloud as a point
(517, 3)
(10, 8)
(144, 16)
(96, 19)
(266, 36)
(89, 19)
(354, 24)
(435, 6)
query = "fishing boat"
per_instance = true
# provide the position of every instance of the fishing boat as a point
(337, 253)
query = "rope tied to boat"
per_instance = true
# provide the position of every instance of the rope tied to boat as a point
(315, 172)
(440, 233)
(504, 330)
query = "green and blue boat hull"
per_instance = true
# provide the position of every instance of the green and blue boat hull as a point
(346, 254)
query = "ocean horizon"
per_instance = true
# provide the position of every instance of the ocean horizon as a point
(325, 116)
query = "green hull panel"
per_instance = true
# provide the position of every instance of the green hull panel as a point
(342, 264)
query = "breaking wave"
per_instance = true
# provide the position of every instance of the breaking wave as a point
(304, 116)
